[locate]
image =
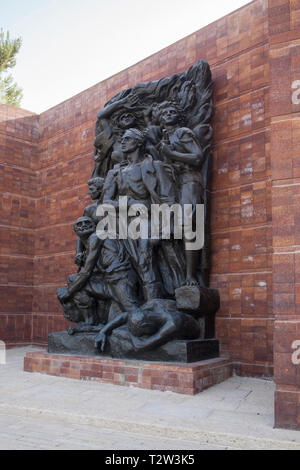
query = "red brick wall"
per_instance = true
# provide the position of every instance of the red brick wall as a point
(18, 197)
(237, 48)
(284, 19)
(241, 190)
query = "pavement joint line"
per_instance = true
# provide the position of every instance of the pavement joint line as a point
(199, 436)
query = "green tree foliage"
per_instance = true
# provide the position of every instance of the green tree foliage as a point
(10, 93)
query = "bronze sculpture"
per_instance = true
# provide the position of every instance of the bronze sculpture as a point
(135, 295)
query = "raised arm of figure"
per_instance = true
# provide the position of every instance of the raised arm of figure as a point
(193, 156)
(106, 112)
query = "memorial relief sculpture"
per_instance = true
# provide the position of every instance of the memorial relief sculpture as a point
(143, 245)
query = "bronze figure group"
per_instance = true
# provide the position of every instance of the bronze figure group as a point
(135, 294)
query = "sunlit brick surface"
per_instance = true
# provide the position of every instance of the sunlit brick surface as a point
(188, 379)
(284, 28)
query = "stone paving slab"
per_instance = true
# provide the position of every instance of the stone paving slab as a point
(44, 412)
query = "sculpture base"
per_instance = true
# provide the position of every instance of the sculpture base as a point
(187, 379)
(186, 351)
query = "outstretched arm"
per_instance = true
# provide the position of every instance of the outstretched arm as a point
(111, 108)
(128, 102)
(100, 340)
(119, 320)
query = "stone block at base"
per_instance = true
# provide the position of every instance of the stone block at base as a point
(180, 378)
(82, 344)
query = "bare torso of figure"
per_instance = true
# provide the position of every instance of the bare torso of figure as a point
(181, 139)
(130, 183)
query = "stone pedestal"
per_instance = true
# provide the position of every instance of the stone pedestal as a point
(187, 379)
(186, 351)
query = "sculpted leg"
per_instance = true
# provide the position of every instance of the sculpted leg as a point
(192, 261)
(191, 194)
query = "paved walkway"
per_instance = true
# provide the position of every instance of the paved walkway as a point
(43, 412)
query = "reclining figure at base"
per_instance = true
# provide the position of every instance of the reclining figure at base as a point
(149, 327)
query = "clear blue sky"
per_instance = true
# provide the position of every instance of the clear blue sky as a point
(70, 45)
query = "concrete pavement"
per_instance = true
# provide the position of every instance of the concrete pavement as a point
(44, 412)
